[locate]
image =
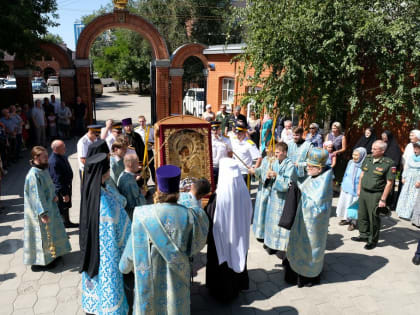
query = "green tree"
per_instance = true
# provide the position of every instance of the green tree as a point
(321, 53)
(23, 23)
(53, 38)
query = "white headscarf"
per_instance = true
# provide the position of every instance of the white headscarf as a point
(232, 217)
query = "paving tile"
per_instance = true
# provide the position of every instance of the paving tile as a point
(6, 309)
(25, 301)
(48, 290)
(49, 278)
(67, 309)
(45, 305)
(28, 287)
(24, 311)
(70, 280)
(68, 295)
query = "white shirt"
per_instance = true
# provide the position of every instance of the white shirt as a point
(286, 135)
(142, 133)
(247, 152)
(110, 139)
(220, 147)
(56, 106)
(82, 149)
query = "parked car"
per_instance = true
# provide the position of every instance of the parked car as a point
(99, 88)
(53, 80)
(39, 86)
(10, 84)
(193, 103)
(108, 81)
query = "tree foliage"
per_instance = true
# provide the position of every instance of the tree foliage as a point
(23, 23)
(53, 38)
(126, 55)
(330, 56)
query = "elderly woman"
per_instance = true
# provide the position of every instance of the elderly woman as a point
(348, 193)
(408, 151)
(411, 181)
(209, 115)
(308, 236)
(313, 136)
(366, 140)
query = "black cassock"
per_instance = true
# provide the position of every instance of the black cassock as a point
(223, 283)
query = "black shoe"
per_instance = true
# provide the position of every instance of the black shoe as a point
(370, 246)
(261, 240)
(69, 225)
(269, 250)
(343, 222)
(416, 260)
(359, 239)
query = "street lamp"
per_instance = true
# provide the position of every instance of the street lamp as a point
(292, 109)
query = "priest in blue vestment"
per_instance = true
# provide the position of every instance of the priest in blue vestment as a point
(163, 238)
(283, 173)
(45, 237)
(298, 152)
(308, 236)
(127, 184)
(263, 194)
(107, 228)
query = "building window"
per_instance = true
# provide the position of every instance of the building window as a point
(228, 91)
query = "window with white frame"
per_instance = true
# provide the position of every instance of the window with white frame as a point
(228, 89)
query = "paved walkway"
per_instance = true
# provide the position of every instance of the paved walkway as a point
(354, 281)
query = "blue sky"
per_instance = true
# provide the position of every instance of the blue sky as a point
(70, 11)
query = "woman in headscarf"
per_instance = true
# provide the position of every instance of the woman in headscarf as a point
(266, 133)
(107, 231)
(411, 187)
(230, 213)
(408, 151)
(392, 151)
(308, 236)
(366, 140)
(349, 185)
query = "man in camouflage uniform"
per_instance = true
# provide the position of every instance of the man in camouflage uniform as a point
(375, 184)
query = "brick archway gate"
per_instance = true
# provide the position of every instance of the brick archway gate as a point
(123, 19)
(24, 75)
(177, 61)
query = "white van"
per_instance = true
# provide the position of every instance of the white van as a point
(193, 103)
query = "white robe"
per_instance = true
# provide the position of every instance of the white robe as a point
(232, 217)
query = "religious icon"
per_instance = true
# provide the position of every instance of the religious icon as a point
(185, 141)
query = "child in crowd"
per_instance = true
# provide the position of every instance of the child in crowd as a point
(349, 185)
(332, 158)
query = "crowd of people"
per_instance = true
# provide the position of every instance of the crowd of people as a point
(136, 254)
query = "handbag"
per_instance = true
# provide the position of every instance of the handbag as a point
(352, 210)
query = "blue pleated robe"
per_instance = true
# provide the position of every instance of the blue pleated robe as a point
(261, 201)
(308, 236)
(298, 154)
(409, 192)
(104, 293)
(275, 236)
(39, 194)
(128, 187)
(163, 238)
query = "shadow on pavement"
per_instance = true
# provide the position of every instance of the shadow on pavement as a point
(360, 265)
(118, 104)
(7, 229)
(70, 262)
(10, 246)
(334, 241)
(7, 276)
(286, 310)
(399, 237)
